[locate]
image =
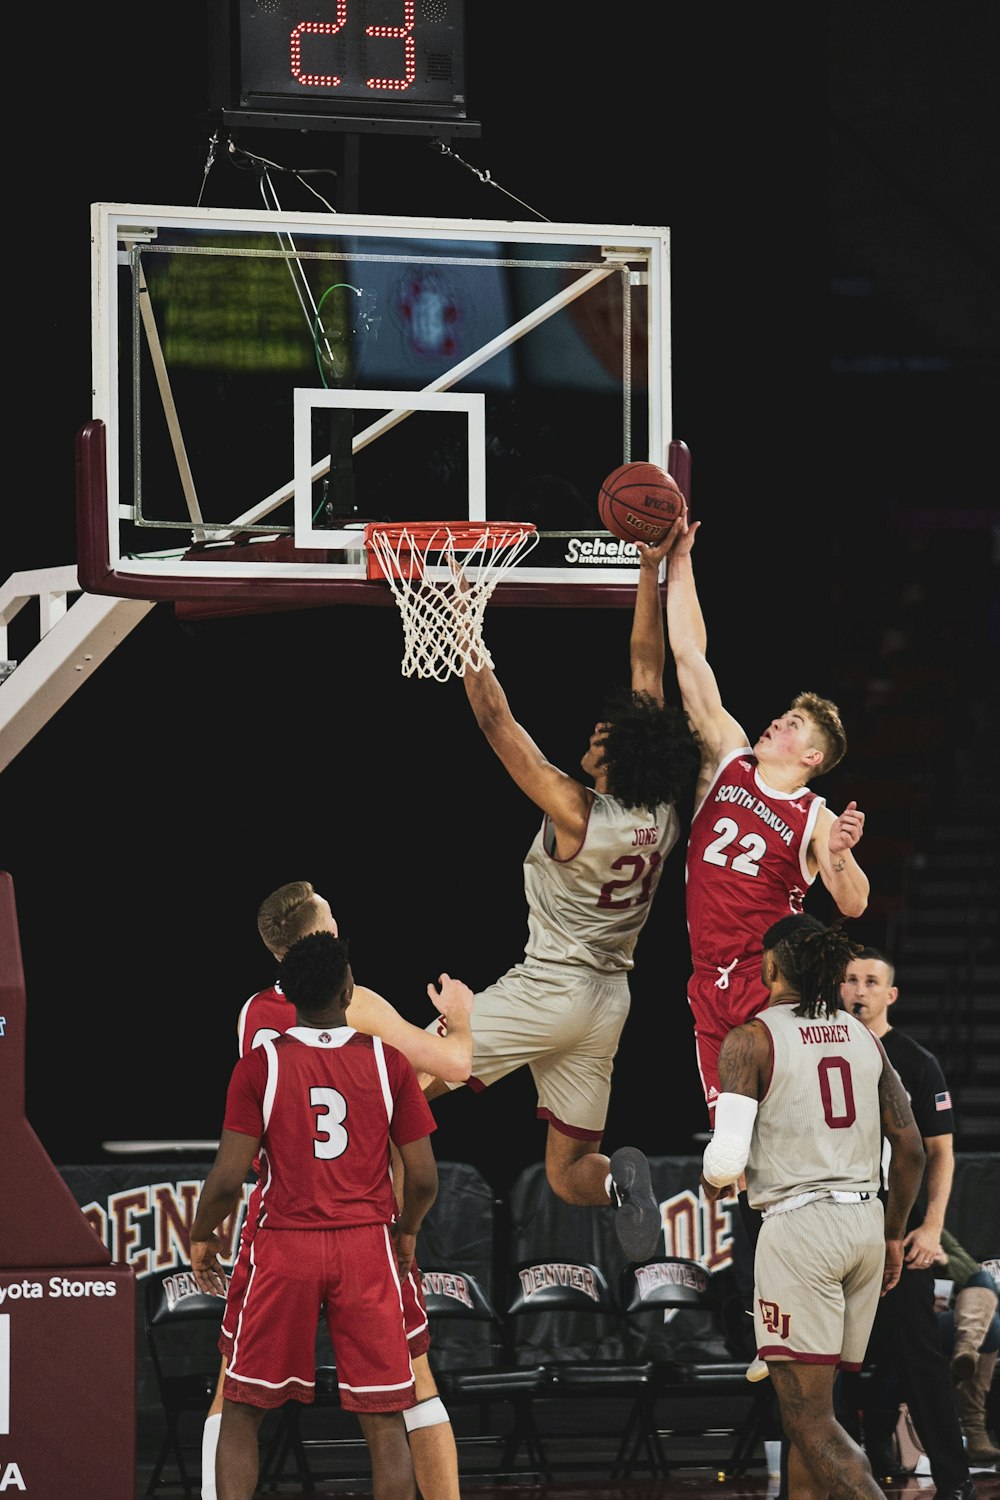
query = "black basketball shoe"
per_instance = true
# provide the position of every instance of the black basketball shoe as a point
(637, 1214)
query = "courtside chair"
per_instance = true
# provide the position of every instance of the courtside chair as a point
(674, 1310)
(565, 1314)
(182, 1330)
(473, 1366)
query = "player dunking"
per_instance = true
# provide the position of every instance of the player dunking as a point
(589, 878)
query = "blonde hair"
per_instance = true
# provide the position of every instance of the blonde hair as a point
(286, 915)
(830, 731)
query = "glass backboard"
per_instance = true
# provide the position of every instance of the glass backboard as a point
(266, 384)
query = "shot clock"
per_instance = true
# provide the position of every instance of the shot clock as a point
(286, 61)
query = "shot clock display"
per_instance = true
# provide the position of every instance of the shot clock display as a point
(399, 59)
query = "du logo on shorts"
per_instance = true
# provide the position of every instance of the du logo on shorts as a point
(775, 1321)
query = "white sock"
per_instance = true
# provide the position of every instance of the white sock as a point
(772, 1450)
(209, 1443)
(609, 1188)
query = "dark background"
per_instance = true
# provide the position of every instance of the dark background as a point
(832, 200)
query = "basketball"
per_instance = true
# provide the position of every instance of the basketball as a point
(638, 501)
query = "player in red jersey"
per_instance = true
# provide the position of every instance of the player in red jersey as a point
(291, 912)
(757, 841)
(319, 1105)
(759, 836)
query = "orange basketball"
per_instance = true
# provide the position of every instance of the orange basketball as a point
(638, 501)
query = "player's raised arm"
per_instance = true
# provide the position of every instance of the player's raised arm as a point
(647, 646)
(566, 801)
(563, 799)
(718, 732)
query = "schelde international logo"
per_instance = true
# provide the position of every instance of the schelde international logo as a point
(599, 552)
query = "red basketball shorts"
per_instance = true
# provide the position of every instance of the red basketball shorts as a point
(721, 999)
(414, 1307)
(293, 1275)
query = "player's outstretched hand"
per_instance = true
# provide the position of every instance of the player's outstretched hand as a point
(451, 996)
(679, 539)
(208, 1273)
(847, 829)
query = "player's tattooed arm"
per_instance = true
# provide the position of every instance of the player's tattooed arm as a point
(897, 1112)
(740, 1074)
(740, 1059)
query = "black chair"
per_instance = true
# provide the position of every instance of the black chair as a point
(182, 1329)
(683, 1366)
(565, 1314)
(473, 1365)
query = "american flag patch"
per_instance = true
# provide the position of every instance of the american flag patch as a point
(942, 1101)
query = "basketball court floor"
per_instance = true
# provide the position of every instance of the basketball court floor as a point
(694, 1482)
(582, 1467)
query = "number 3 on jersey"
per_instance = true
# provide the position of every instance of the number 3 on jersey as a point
(331, 1111)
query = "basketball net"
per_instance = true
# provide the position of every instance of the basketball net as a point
(442, 597)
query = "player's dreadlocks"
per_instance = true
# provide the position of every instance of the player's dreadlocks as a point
(813, 958)
(649, 751)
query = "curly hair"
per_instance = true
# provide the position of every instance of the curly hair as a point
(314, 971)
(649, 751)
(286, 915)
(813, 958)
(826, 717)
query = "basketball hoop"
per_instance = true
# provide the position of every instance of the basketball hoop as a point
(442, 598)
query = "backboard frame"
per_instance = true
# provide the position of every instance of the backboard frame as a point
(323, 565)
